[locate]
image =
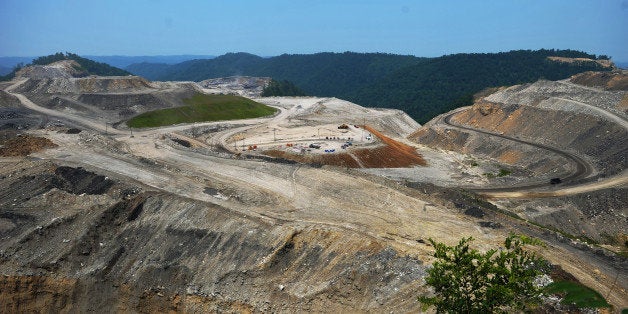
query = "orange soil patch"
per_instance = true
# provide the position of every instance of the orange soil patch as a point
(339, 159)
(490, 116)
(510, 122)
(482, 114)
(392, 154)
(510, 157)
(24, 145)
(35, 294)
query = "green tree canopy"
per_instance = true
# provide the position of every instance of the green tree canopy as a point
(282, 88)
(468, 281)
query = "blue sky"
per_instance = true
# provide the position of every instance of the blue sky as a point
(267, 28)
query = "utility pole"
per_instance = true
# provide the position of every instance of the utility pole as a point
(274, 135)
(130, 128)
(363, 127)
(106, 128)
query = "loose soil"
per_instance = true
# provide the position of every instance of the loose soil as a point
(24, 145)
(392, 154)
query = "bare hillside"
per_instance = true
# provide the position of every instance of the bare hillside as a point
(199, 218)
(562, 131)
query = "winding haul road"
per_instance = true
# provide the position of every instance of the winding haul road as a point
(572, 183)
(378, 212)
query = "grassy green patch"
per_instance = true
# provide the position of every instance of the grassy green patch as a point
(577, 294)
(202, 108)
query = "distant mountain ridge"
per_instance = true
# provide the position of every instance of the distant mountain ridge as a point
(124, 61)
(422, 87)
(321, 74)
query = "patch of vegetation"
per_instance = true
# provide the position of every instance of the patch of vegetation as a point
(202, 108)
(500, 173)
(282, 88)
(577, 294)
(503, 172)
(467, 281)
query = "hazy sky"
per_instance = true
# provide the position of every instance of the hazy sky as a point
(266, 28)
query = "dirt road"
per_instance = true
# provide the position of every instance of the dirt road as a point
(286, 193)
(572, 183)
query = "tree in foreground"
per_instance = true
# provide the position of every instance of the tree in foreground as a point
(467, 281)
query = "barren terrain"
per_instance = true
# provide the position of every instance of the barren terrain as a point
(199, 218)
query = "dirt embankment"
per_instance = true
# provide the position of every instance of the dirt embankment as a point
(613, 81)
(533, 159)
(603, 141)
(604, 63)
(117, 84)
(392, 154)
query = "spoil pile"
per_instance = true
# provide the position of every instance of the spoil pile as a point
(24, 145)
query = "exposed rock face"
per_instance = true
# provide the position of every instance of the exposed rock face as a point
(59, 69)
(602, 140)
(604, 63)
(119, 248)
(162, 222)
(91, 84)
(601, 215)
(113, 84)
(110, 98)
(614, 81)
(246, 86)
(585, 121)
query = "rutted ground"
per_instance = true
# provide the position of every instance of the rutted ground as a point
(573, 132)
(171, 221)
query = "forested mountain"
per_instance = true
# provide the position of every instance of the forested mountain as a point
(321, 74)
(423, 87)
(124, 61)
(148, 70)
